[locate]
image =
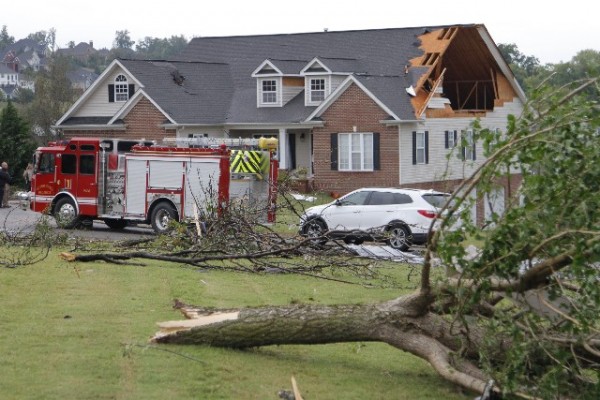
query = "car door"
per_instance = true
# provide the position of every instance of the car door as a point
(345, 213)
(379, 211)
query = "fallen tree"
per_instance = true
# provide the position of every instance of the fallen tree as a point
(519, 308)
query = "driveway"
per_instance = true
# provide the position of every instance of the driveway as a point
(16, 221)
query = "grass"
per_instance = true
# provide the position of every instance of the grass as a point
(80, 331)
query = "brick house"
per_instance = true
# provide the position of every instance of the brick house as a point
(355, 108)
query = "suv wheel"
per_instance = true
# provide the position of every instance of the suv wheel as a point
(399, 236)
(315, 229)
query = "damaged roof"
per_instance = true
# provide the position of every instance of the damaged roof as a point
(211, 81)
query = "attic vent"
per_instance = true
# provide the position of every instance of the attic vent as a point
(177, 77)
(430, 58)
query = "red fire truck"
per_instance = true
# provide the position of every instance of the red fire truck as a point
(124, 181)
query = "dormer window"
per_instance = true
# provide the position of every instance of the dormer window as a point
(317, 90)
(121, 90)
(269, 92)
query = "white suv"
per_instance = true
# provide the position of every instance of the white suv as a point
(401, 217)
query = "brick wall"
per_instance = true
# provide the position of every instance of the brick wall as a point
(354, 109)
(142, 122)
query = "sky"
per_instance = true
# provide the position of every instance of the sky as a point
(552, 31)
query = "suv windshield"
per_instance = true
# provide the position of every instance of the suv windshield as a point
(436, 199)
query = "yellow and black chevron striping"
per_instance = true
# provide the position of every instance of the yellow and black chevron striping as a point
(248, 161)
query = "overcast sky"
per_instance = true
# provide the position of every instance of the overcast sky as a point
(552, 31)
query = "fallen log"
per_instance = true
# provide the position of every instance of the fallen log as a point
(394, 322)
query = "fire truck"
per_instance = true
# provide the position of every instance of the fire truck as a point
(124, 182)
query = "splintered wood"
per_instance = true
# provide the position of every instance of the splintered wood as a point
(195, 319)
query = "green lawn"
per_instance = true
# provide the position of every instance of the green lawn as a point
(80, 331)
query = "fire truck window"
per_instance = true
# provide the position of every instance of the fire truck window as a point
(125, 146)
(46, 163)
(86, 164)
(87, 147)
(69, 162)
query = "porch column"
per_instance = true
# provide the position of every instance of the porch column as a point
(283, 145)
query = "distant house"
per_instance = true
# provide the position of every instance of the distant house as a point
(355, 108)
(8, 76)
(82, 78)
(81, 51)
(30, 53)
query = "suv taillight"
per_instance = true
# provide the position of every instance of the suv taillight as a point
(427, 213)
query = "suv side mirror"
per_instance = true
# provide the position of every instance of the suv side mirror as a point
(338, 202)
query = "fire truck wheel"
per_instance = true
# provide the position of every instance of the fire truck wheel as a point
(116, 224)
(65, 213)
(162, 214)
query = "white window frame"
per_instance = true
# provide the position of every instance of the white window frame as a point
(321, 91)
(450, 139)
(353, 154)
(308, 88)
(421, 148)
(261, 93)
(121, 88)
(468, 149)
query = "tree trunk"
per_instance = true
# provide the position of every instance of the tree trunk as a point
(403, 323)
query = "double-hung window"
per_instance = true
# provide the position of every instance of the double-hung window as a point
(317, 90)
(355, 152)
(469, 146)
(420, 147)
(269, 92)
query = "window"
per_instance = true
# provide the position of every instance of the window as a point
(468, 146)
(317, 90)
(450, 139)
(46, 164)
(420, 147)
(121, 88)
(355, 152)
(268, 93)
(356, 198)
(69, 163)
(86, 164)
(387, 198)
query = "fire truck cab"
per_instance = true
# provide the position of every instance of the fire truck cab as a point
(124, 181)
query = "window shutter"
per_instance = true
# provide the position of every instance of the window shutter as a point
(414, 147)
(131, 90)
(111, 93)
(426, 147)
(455, 137)
(376, 152)
(334, 152)
(474, 147)
(446, 144)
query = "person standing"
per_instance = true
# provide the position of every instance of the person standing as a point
(4, 182)
(27, 175)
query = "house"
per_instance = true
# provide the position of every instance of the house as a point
(378, 107)
(81, 78)
(82, 51)
(31, 54)
(8, 76)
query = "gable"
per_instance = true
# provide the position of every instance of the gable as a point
(459, 74)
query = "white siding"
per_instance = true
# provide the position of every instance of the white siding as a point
(289, 92)
(336, 81)
(439, 167)
(97, 104)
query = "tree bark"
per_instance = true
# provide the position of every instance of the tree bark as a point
(403, 323)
